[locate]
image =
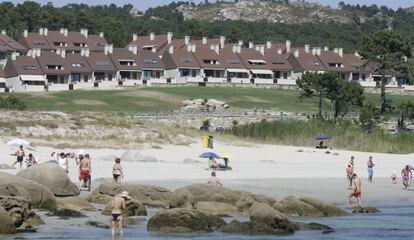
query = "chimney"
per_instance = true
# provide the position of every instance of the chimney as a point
(45, 31)
(38, 52)
(204, 41)
(87, 52)
(217, 48)
(269, 44)
(101, 35)
(239, 49)
(307, 48)
(62, 31)
(41, 31)
(257, 48)
(110, 48)
(130, 47)
(106, 49)
(318, 51)
(3, 32)
(187, 40)
(296, 53)
(84, 32)
(63, 53)
(279, 51)
(251, 45)
(58, 51)
(212, 46)
(314, 51)
(288, 45)
(222, 41)
(262, 49)
(33, 53)
(188, 48)
(152, 36)
(341, 52)
(193, 48)
(134, 37)
(171, 49)
(66, 32)
(234, 48)
(82, 52)
(135, 49)
(336, 50)
(240, 43)
(169, 37)
(14, 56)
(25, 33)
(326, 48)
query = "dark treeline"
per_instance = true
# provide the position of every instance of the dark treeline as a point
(118, 24)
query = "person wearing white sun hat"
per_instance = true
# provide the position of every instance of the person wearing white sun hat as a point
(118, 206)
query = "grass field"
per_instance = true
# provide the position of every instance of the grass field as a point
(164, 99)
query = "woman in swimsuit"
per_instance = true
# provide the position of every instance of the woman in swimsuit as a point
(406, 175)
(118, 205)
(117, 170)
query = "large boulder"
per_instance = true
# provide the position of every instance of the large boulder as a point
(133, 208)
(264, 211)
(40, 196)
(183, 220)
(74, 203)
(6, 223)
(53, 177)
(328, 210)
(217, 208)
(147, 195)
(293, 206)
(19, 210)
(365, 210)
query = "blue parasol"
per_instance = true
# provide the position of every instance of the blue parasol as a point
(209, 155)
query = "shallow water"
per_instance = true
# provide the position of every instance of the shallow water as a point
(396, 221)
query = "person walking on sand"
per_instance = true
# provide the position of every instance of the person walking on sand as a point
(84, 171)
(118, 206)
(63, 162)
(214, 180)
(370, 165)
(356, 191)
(19, 156)
(117, 172)
(406, 175)
(349, 173)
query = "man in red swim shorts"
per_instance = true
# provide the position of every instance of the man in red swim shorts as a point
(356, 191)
(84, 170)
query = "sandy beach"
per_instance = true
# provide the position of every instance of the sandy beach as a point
(278, 171)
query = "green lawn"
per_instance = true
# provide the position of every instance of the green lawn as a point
(162, 99)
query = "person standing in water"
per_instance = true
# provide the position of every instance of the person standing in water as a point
(118, 206)
(356, 191)
(370, 165)
(406, 174)
(19, 156)
(84, 171)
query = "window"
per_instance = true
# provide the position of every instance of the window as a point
(78, 65)
(123, 62)
(85, 78)
(285, 75)
(29, 67)
(336, 65)
(103, 63)
(256, 62)
(110, 77)
(76, 44)
(355, 76)
(99, 75)
(38, 43)
(233, 61)
(313, 63)
(150, 61)
(277, 62)
(60, 44)
(364, 77)
(186, 60)
(75, 77)
(277, 74)
(54, 67)
(210, 61)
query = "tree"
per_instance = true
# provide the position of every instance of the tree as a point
(369, 117)
(388, 52)
(405, 111)
(311, 85)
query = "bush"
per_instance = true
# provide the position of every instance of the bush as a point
(12, 102)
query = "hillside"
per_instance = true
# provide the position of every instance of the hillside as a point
(280, 11)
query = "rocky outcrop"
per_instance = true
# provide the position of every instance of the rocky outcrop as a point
(147, 195)
(365, 210)
(65, 213)
(51, 176)
(293, 206)
(133, 208)
(19, 211)
(74, 203)
(189, 197)
(40, 196)
(183, 220)
(6, 223)
(328, 210)
(217, 208)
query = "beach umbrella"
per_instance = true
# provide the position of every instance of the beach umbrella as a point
(323, 136)
(209, 155)
(18, 142)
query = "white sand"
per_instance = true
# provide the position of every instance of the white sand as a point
(250, 162)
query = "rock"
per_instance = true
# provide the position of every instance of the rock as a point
(181, 198)
(18, 208)
(65, 213)
(328, 210)
(314, 226)
(365, 210)
(40, 196)
(245, 202)
(133, 208)
(264, 211)
(147, 195)
(183, 220)
(6, 166)
(51, 176)
(6, 223)
(132, 155)
(74, 203)
(217, 209)
(34, 220)
(97, 224)
(236, 227)
(293, 206)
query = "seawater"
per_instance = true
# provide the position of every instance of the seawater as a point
(395, 222)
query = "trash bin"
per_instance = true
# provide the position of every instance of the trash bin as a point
(210, 142)
(205, 141)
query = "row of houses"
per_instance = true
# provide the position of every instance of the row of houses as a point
(64, 60)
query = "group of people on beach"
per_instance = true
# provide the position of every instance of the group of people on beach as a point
(354, 183)
(20, 154)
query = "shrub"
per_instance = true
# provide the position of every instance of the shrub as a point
(12, 102)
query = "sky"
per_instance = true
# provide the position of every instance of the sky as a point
(144, 4)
